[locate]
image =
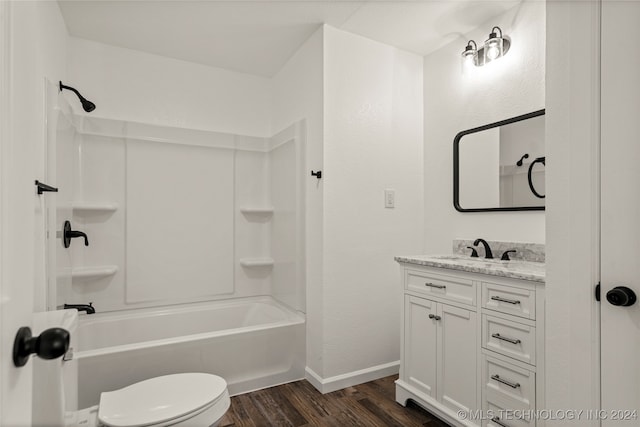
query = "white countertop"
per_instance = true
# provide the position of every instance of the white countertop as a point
(523, 270)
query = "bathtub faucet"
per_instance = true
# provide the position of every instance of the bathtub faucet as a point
(82, 307)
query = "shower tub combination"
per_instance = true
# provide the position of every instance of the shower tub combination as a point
(251, 342)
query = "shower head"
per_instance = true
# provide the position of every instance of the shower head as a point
(87, 105)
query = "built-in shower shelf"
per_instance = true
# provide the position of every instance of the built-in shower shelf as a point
(256, 262)
(263, 210)
(87, 207)
(94, 272)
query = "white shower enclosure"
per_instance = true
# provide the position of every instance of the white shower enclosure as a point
(175, 216)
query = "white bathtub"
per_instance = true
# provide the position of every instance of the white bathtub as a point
(251, 342)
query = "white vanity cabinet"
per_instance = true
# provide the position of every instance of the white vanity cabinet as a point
(440, 351)
(474, 343)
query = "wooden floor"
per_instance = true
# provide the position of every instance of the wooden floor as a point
(300, 404)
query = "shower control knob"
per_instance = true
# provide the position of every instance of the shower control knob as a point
(68, 234)
(50, 344)
(622, 296)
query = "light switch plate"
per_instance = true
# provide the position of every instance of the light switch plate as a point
(389, 198)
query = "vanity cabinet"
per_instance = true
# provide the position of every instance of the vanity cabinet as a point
(440, 351)
(473, 343)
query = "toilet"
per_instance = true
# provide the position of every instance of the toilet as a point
(185, 399)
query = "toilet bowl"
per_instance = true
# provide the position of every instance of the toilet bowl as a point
(179, 399)
(186, 399)
(192, 400)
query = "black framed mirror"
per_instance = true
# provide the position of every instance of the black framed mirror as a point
(501, 166)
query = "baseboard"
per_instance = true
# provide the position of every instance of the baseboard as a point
(327, 385)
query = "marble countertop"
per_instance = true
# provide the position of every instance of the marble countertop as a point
(523, 270)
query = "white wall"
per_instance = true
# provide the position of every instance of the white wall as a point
(373, 140)
(455, 101)
(298, 94)
(136, 86)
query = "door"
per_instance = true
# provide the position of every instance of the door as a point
(620, 207)
(457, 352)
(21, 136)
(420, 328)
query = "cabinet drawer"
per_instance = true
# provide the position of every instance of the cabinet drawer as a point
(440, 285)
(508, 381)
(502, 414)
(510, 300)
(509, 338)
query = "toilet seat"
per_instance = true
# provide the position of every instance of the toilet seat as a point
(161, 401)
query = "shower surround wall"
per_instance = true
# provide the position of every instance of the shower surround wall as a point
(179, 215)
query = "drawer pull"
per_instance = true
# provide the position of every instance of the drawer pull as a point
(431, 285)
(433, 316)
(510, 301)
(511, 340)
(505, 382)
(496, 420)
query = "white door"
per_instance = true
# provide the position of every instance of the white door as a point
(457, 352)
(21, 94)
(420, 328)
(620, 220)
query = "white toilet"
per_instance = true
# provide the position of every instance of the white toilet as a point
(189, 399)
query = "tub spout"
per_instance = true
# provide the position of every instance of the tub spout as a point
(89, 309)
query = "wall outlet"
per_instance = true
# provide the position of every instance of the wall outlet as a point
(389, 198)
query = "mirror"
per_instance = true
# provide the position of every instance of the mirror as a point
(500, 166)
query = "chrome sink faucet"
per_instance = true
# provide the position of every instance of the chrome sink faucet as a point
(487, 250)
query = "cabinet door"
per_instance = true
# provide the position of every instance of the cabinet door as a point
(457, 358)
(420, 344)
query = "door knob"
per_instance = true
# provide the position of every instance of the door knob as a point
(50, 344)
(621, 295)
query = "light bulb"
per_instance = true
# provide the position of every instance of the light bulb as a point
(469, 56)
(493, 47)
(493, 52)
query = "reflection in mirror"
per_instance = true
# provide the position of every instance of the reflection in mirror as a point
(501, 166)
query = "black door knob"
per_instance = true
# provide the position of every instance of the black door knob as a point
(50, 344)
(621, 295)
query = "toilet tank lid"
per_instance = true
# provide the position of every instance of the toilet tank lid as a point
(159, 399)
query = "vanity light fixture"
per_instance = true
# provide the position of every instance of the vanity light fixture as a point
(470, 55)
(494, 47)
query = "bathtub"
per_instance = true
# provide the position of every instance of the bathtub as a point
(252, 342)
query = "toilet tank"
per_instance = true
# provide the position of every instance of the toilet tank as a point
(55, 382)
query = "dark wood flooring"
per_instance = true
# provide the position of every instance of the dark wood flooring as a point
(300, 404)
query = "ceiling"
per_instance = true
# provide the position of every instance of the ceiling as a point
(258, 37)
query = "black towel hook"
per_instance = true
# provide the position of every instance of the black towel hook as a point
(317, 174)
(519, 162)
